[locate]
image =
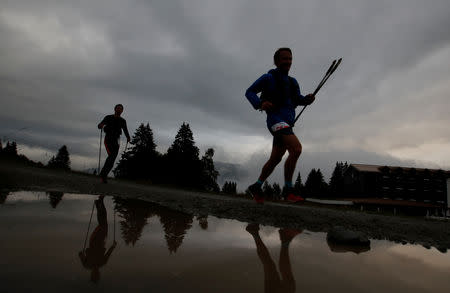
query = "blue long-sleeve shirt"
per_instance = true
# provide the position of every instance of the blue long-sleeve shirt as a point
(285, 111)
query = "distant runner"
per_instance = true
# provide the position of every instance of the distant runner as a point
(113, 126)
(280, 95)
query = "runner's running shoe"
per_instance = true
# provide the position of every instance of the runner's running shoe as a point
(290, 196)
(256, 192)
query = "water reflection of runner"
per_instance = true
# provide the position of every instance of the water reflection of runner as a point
(272, 281)
(94, 256)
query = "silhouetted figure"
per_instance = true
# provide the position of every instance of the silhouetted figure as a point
(96, 256)
(280, 95)
(272, 280)
(55, 197)
(113, 126)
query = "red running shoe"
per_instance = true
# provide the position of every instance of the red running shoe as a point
(256, 192)
(290, 196)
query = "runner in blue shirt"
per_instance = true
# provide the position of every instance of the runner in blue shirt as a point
(280, 95)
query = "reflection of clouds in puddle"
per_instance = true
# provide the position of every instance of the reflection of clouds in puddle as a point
(25, 196)
(33, 196)
(431, 257)
(225, 252)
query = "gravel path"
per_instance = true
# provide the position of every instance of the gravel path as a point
(15, 176)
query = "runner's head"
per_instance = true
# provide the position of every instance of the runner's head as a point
(283, 59)
(118, 109)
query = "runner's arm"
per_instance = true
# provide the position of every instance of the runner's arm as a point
(300, 99)
(102, 124)
(125, 130)
(252, 92)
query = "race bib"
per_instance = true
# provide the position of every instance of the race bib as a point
(279, 125)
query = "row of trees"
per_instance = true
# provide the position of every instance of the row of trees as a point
(60, 161)
(181, 164)
(315, 185)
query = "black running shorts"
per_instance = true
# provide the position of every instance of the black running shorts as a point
(277, 135)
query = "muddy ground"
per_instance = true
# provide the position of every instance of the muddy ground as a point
(16, 176)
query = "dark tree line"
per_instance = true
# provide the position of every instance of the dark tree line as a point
(180, 166)
(60, 161)
(315, 185)
(229, 187)
(10, 149)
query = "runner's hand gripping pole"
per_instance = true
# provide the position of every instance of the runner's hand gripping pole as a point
(334, 65)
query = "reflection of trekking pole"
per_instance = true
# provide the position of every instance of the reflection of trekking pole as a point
(114, 225)
(100, 150)
(87, 233)
(329, 72)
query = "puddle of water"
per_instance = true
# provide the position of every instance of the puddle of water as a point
(51, 243)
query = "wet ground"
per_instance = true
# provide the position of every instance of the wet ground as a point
(54, 241)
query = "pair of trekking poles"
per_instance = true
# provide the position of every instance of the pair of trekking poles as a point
(334, 65)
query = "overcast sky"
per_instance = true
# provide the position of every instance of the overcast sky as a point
(65, 64)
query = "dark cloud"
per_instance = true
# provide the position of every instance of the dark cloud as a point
(63, 65)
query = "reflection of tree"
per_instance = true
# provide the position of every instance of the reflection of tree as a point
(55, 197)
(175, 226)
(3, 196)
(134, 214)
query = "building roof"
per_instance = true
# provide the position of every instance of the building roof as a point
(367, 168)
(378, 168)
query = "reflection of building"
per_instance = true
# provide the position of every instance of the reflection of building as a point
(425, 185)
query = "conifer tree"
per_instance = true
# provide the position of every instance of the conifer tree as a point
(337, 179)
(209, 172)
(182, 158)
(141, 160)
(315, 184)
(62, 159)
(298, 185)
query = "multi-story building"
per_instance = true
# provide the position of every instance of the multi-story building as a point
(391, 182)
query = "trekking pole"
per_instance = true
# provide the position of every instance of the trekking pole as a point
(334, 65)
(100, 151)
(327, 75)
(87, 233)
